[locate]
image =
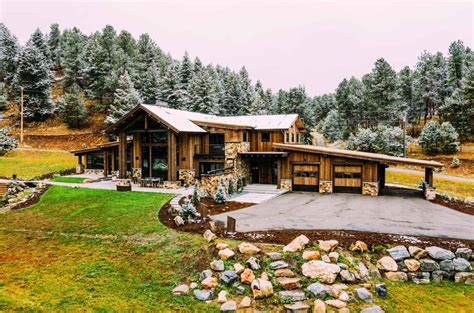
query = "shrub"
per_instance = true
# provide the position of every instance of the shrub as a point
(7, 142)
(189, 212)
(455, 162)
(240, 184)
(196, 196)
(230, 190)
(220, 196)
(3, 102)
(436, 138)
(383, 139)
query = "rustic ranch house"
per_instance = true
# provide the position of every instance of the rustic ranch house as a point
(175, 147)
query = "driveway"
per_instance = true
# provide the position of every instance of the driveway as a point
(383, 214)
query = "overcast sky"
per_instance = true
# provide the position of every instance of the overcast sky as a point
(284, 44)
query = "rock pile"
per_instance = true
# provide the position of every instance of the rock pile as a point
(18, 193)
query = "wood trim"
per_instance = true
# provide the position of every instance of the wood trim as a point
(123, 155)
(172, 160)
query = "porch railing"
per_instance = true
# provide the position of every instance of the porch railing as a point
(210, 149)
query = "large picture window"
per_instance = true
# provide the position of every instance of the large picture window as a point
(95, 161)
(206, 167)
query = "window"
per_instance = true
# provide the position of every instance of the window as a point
(347, 175)
(297, 137)
(206, 167)
(292, 137)
(287, 137)
(265, 137)
(244, 137)
(95, 161)
(305, 174)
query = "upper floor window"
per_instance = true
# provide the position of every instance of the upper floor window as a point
(287, 137)
(244, 137)
(292, 137)
(297, 137)
(265, 137)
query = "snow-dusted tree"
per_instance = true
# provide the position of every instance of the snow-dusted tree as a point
(3, 101)
(196, 194)
(168, 89)
(220, 196)
(9, 53)
(248, 91)
(150, 84)
(456, 64)
(38, 40)
(364, 140)
(203, 95)
(240, 184)
(125, 98)
(459, 112)
(34, 75)
(185, 74)
(259, 106)
(435, 138)
(188, 212)
(449, 138)
(73, 61)
(146, 57)
(405, 89)
(330, 127)
(350, 104)
(322, 105)
(55, 45)
(7, 142)
(232, 100)
(389, 140)
(231, 187)
(72, 109)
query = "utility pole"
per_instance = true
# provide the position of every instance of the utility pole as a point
(21, 117)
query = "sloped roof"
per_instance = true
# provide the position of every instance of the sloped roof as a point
(178, 119)
(357, 154)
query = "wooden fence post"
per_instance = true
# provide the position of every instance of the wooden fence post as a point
(230, 224)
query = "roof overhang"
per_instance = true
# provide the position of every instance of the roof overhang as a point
(263, 154)
(378, 157)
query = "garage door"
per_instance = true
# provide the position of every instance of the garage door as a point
(348, 178)
(305, 177)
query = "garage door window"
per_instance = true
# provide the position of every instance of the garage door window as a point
(347, 175)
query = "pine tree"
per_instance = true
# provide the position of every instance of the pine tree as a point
(196, 195)
(150, 84)
(72, 109)
(188, 212)
(248, 92)
(7, 142)
(9, 53)
(350, 105)
(364, 140)
(456, 64)
(55, 45)
(125, 98)
(185, 74)
(231, 190)
(73, 62)
(34, 75)
(408, 105)
(232, 99)
(202, 92)
(240, 184)
(331, 126)
(145, 77)
(38, 40)
(259, 106)
(220, 196)
(168, 90)
(435, 138)
(322, 105)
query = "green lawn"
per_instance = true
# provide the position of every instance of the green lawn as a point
(32, 163)
(103, 250)
(71, 180)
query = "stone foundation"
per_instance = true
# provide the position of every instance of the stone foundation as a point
(430, 193)
(241, 167)
(187, 176)
(370, 188)
(286, 184)
(325, 186)
(171, 184)
(89, 171)
(209, 183)
(80, 168)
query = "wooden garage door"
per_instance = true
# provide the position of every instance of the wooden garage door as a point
(347, 178)
(305, 177)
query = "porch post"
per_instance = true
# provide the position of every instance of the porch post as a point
(278, 173)
(172, 160)
(123, 155)
(106, 163)
(429, 176)
(382, 168)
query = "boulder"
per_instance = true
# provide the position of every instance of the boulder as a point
(338, 304)
(238, 268)
(311, 255)
(179, 290)
(297, 244)
(193, 285)
(363, 294)
(464, 253)
(324, 272)
(292, 295)
(342, 266)
(209, 235)
(344, 296)
(462, 265)
(412, 265)
(247, 276)
(347, 276)
(203, 295)
(178, 220)
(319, 306)
(428, 265)
(328, 245)
(417, 252)
(439, 253)
(289, 283)
(334, 257)
(325, 258)
(226, 254)
(278, 265)
(401, 266)
(248, 249)
(386, 263)
(420, 277)
(399, 253)
(446, 265)
(336, 289)
(375, 273)
(229, 306)
(221, 246)
(205, 274)
(439, 275)
(363, 271)
(228, 277)
(297, 307)
(359, 246)
(209, 283)
(381, 290)
(239, 290)
(275, 256)
(261, 288)
(396, 276)
(284, 272)
(320, 291)
(254, 263)
(245, 303)
(264, 276)
(464, 278)
(373, 309)
(222, 296)
(217, 265)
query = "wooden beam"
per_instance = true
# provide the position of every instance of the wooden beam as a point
(429, 176)
(106, 163)
(123, 155)
(172, 160)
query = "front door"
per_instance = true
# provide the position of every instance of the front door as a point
(255, 173)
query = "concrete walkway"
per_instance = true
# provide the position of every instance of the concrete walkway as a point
(383, 214)
(257, 193)
(421, 173)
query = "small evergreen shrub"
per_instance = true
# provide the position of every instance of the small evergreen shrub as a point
(220, 196)
(240, 184)
(436, 138)
(455, 162)
(196, 195)
(7, 142)
(189, 212)
(230, 190)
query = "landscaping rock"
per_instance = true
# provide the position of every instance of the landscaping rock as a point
(320, 291)
(247, 276)
(401, 266)
(342, 266)
(417, 252)
(278, 265)
(245, 303)
(253, 263)
(347, 276)
(319, 306)
(324, 272)
(439, 253)
(344, 296)
(203, 295)
(229, 306)
(180, 290)
(363, 271)
(412, 265)
(439, 275)
(311, 255)
(464, 278)
(289, 283)
(226, 254)
(228, 277)
(238, 268)
(373, 309)
(247, 248)
(193, 285)
(375, 273)
(462, 265)
(325, 258)
(428, 265)
(222, 296)
(297, 244)
(381, 290)
(464, 253)
(221, 246)
(209, 283)
(293, 295)
(334, 257)
(209, 235)
(399, 253)
(178, 220)
(261, 288)
(205, 274)
(264, 276)
(363, 294)
(275, 256)
(217, 265)
(239, 290)
(338, 304)
(336, 289)
(446, 265)
(297, 307)
(396, 276)
(328, 245)
(420, 277)
(284, 272)
(359, 246)
(387, 263)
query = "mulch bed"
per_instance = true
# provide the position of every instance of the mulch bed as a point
(214, 208)
(457, 205)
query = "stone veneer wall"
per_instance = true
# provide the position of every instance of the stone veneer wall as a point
(89, 171)
(168, 184)
(187, 175)
(286, 183)
(430, 193)
(241, 166)
(80, 168)
(136, 172)
(209, 183)
(325, 186)
(370, 188)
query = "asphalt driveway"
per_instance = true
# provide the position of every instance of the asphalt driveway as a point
(383, 214)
